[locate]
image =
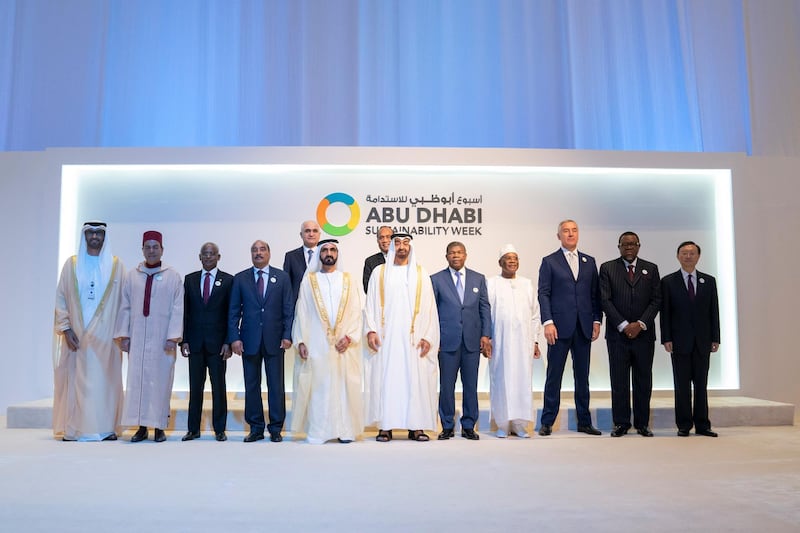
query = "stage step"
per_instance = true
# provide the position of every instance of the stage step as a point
(724, 411)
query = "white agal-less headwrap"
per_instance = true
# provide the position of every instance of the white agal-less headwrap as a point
(83, 271)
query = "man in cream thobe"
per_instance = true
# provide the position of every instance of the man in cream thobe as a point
(88, 365)
(327, 402)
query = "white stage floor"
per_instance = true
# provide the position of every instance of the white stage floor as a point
(746, 480)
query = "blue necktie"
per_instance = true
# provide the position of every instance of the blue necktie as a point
(459, 287)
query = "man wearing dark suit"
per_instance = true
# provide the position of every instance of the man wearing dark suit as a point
(295, 261)
(690, 333)
(465, 323)
(260, 329)
(569, 300)
(206, 297)
(630, 294)
(384, 240)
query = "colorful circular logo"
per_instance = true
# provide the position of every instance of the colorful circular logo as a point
(322, 214)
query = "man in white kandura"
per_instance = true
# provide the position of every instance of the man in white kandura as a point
(327, 402)
(149, 328)
(515, 327)
(88, 365)
(402, 328)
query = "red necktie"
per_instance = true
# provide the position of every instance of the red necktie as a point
(148, 289)
(207, 287)
(691, 288)
(630, 273)
(260, 284)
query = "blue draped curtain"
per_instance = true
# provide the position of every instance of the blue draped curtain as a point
(583, 74)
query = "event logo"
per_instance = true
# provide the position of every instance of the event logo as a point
(322, 214)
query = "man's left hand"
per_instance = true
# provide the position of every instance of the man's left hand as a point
(226, 352)
(595, 331)
(169, 346)
(343, 344)
(424, 347)
(632, 330)
(486, 347)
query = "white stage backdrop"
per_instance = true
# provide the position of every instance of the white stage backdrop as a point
(482, 206)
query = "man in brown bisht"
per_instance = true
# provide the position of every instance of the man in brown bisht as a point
(88, 365)
(149, 328)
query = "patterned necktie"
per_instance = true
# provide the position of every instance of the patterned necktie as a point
(691, 288)
(630, 273)
(459, 287)
(260, 284)
(207, 287)
(572, 257)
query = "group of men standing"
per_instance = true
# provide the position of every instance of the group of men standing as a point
(415, 336)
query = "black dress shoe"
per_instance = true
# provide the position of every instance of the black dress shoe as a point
(345, 441)
(589, 430)
(446, 434)
(470, 434)
(644, 431)
(619, 431)
(221, 437)
(706, 433)
(275, 437)
(191, 436)
(140, 434)
(683, 432)
(113, 436)
(159, 435)
(252, 437)
(545, 430)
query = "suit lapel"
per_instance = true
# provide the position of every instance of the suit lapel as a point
(562, 260)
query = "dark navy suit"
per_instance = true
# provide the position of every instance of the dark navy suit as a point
(624, 300)
(205, 328)
(461, 327)
(573, 306)
(691, 327)
(294, 264)
(261, 324)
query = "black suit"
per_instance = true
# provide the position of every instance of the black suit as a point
(691, 326)
(204, 330)
(369, 265)
(629, 301)
(294, 264)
